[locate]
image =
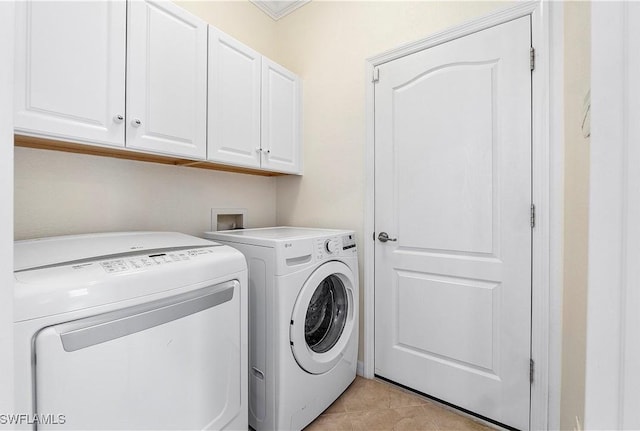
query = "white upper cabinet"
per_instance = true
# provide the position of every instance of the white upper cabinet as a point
(280, 119)
(234, 101)
(70, 70)
(166, 80)
(191, 91)
(254, 113)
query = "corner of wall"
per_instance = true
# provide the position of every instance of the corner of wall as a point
(577, 83)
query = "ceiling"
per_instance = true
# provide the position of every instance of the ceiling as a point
(276, 9)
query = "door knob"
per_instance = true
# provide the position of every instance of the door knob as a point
(384, 237)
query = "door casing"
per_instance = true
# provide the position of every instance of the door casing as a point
(547, 194)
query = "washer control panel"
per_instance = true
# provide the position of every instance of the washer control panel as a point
(348, 242)
(142, 261)
(335, 246)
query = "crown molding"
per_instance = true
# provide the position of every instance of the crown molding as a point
(277, 9)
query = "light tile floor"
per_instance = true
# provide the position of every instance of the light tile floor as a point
(377, 405)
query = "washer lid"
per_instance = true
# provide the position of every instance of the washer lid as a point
(37, 253)
(270, 236)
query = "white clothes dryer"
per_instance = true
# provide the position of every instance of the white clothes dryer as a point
(303, 321)
(128, 331)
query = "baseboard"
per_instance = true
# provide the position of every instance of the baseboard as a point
(360, 368)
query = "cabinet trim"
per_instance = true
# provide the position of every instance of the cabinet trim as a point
(127, 154)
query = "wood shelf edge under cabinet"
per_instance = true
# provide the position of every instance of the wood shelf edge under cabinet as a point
(120, 153)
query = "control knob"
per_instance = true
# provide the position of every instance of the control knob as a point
(330, 246)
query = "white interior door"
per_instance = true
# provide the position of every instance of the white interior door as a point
(453, 192)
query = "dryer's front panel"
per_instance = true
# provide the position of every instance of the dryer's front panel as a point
(169, 364)
(324, 317)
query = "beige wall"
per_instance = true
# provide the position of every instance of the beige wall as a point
(58, 193)
(240, 19)
(327, 43)
(577, 82)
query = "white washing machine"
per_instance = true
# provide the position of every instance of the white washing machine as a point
(130, 331)
(303, 321)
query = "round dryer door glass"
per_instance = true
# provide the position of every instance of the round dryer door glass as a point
(326, 315)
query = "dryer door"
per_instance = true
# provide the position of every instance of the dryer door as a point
(323, 318)
(174, 363)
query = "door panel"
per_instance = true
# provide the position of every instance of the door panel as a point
(459, 155)
(462, 309)
(453, 185)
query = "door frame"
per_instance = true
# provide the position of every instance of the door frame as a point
(612, 368)
(548, 194)
(7, 38)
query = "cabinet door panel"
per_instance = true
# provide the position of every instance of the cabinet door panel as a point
(70, 70)
(234, 101)
(166, 80)
(280, 118)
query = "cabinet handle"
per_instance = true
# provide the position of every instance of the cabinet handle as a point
(258, 150)
(118, 118)
(268, 152)
(136, 122)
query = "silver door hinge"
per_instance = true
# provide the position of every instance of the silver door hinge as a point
(531, 370)
(532, 58)
(376, 75)
(533, 216)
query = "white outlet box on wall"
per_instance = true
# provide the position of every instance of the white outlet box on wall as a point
(228, 218)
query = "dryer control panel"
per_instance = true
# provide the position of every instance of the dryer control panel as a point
(142, 261)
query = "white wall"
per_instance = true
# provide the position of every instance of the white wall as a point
(6, 208)
(327, 42)
(60, 193)
(613, 331)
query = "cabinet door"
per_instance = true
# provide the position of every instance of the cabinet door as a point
(166, 80)
(280, 118)
(70, 67)
(234, 101)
